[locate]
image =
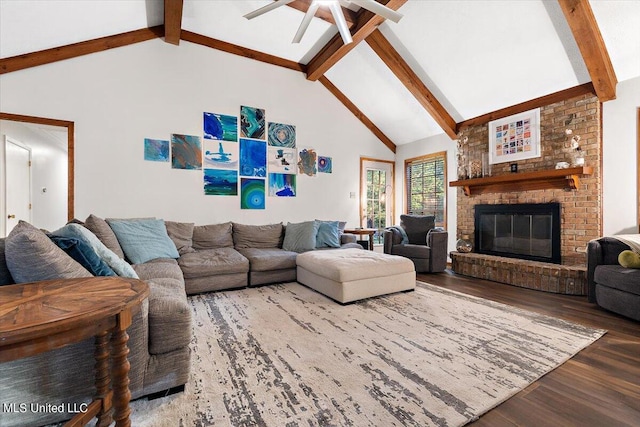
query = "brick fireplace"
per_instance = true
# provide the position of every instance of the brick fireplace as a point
(580, 209)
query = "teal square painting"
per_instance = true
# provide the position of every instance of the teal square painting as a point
(252, 193)
(156, 150)
(220, 127)
(220, 182)
(252, 122)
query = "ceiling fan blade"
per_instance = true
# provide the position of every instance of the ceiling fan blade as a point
(306, 21)
(378, 9)
(341, 23)
(267, 8)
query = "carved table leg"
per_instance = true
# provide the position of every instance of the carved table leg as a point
(102, 378)
(120, 371)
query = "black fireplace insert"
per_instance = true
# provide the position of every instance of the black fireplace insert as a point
(526, 230)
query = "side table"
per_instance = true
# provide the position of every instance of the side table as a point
(363, 232)
(42, 316)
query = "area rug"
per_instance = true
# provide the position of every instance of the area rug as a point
(285, 355)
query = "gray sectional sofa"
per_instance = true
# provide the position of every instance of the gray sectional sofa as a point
(211, 257)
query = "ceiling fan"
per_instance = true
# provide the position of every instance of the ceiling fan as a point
(334, 7)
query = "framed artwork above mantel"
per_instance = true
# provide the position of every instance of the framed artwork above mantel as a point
(514, 138)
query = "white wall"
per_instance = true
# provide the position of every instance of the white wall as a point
(620, 136)
(48, 169)
(152, 89)
(433, 144)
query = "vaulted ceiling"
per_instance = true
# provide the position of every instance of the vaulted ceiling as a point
(445, 64)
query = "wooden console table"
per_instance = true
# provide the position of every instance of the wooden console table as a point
(42, 316)
(363, 232)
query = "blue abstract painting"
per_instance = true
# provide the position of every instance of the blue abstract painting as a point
(307, 161)
(325, 164)
(253, 158)
(156, 150)
(281, 135)
(221, 155)
(281, 160)
(252, 193)
(252, 122)
(282, 185)
(186, 152)
(220, 127)
(219, 182)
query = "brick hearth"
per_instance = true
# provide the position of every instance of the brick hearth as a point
(541, 276)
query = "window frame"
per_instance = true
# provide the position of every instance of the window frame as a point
(422, 159)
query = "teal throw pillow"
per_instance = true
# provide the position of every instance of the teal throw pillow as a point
(300, 237)
(328, 234)
(143, 239)
(117, 264)
(83, 254)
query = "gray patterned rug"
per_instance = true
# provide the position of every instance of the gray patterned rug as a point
(285, 355)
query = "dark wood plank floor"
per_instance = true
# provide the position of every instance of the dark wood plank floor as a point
(598, 387)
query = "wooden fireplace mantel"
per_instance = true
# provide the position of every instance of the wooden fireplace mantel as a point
(568, 179)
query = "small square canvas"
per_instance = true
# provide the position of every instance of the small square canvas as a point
(281, 135)
(307, 161)
(282, 160)
(252, 193)
(156, 150)
(220, 182)
(220, 155)
(252, 122)
(325, 164)
(220, 127)
(253, 158)
(282, 185)
(186, 152)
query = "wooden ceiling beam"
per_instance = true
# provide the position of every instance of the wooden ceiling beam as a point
(356, 112)
(332, 52)
(323, 13)
(34, 59)
(172, 21)
(381, 46)
(584, 27)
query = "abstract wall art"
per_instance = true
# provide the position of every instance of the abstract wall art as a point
(307, 161)
(186, 152)
(253, 158)
(325, 164)
(220, 127)
(252, 193)
(220, 182)
(514, 138)
(282, 160)
(220, 155)
(252, 122)
(156, 150)
(281, 135)
(282, 185)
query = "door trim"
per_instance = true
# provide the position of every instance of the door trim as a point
(393, 184)
(9, 140)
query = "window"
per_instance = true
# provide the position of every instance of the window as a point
(376, 194)
(426, 186)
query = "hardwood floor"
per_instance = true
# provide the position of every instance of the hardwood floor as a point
(600, 386)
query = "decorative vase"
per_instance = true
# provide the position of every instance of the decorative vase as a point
(463, 245)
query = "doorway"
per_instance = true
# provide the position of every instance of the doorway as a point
(17, 183)
(376, 195)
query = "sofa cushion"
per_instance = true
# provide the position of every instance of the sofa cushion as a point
(257, 236)
(269, 259)
(159, 268)
(181, 233)
(300, 237)
(31, 256)
(169, 316)
(84, 254)
(328, 234)
(213, 236)
(618, 277)
(212, 262)
(143, 239)
(417, 227)
(101, 229)
(5, 275)
(411, 251)
(117, 264)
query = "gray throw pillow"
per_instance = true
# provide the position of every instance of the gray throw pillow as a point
(31, 256)
(300, 237)
(257, 236)
(213, 236)
(417, 227)
(181, 233)
(101, 229)
(5, 275)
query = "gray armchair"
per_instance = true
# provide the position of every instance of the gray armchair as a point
(418, 239)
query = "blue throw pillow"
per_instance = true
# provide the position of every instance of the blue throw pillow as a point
(328, 234)
(143, 239)
(300, 237)
(83, 254)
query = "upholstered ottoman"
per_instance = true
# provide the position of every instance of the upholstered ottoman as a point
(348, 275)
